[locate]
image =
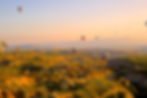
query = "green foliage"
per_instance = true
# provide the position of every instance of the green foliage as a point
(29, 74)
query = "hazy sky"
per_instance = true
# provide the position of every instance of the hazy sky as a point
(66, 20)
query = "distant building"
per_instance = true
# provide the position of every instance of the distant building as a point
(105, 56)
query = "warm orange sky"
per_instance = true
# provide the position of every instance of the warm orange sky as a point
(53, 21)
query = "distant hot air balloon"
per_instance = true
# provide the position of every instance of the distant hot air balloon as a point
(96, 38)
(145, 23)
(83, 38)
(20, 9)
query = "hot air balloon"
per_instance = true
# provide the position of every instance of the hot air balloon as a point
(83, 38)
(20, 9)
(96, 38)
(145, 23)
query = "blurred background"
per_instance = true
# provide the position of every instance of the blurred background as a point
(73, 49)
